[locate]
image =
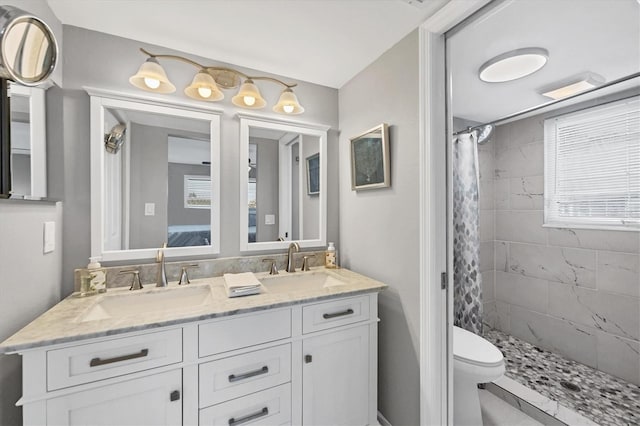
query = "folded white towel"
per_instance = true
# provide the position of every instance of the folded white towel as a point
(243, 284)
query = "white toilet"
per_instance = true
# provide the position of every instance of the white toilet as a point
(475, 360)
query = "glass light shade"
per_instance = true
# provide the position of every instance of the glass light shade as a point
(248, 92)
(288, 103)
(513, 65)
(152, 74)
(202, 85)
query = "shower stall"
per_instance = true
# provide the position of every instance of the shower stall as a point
(557, 199)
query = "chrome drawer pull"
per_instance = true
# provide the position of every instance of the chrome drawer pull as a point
(97, 361)
(234, 378)
(245, 419)
(338, 314)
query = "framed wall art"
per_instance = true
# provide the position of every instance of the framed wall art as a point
(313, 174)
(370, 167)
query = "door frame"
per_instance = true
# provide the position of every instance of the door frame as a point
(436, 252)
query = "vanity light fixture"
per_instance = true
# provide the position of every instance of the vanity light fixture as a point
(151, 76)
(204, 88)
(513, 65)
(249, 96)
(209, 80)
(572, 86)
(288, 103)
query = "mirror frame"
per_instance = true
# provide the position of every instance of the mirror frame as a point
(100, 100)
(38, 139)
(321, 131)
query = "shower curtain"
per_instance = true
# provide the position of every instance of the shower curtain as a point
(467, 301)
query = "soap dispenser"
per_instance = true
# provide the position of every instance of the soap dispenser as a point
(94, 278)
(330, 257)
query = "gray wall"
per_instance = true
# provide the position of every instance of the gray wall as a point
(85, 66)
(378, 228)
(267, 178)
(310, 203)
(295, 191)
(573, 291)
(177, 213)
(31, 280)
(149, 174)
(30, 285)
(21, 174)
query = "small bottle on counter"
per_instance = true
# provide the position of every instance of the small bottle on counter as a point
(330, 257)
(93, 279)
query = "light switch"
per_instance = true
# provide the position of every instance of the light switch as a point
(269, 219)
(149, 209)
(49, 237)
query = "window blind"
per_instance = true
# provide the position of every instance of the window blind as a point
(197, 192)
(592, 166)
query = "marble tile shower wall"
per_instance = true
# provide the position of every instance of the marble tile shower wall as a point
(575, 292)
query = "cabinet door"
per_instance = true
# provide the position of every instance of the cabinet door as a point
(155, 400)
(335, 382)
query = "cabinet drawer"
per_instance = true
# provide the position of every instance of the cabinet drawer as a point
(269, 407)
(236, 333)
(110, 358)
(334, 314)
(240, 375)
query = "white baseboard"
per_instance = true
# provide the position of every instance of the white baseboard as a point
(382, 420)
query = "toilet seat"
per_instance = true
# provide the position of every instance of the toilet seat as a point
(472, 349)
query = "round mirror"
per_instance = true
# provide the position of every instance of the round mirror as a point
(28, 49)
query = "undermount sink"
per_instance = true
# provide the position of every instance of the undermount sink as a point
(144, 302)
(300, 281)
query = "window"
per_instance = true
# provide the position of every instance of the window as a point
(197, 192)
(592, 167)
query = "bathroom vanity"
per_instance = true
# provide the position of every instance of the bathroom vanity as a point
(302, 352)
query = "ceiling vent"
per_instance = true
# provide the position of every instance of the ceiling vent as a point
(420, 4)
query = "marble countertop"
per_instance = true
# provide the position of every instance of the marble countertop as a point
(66, 321)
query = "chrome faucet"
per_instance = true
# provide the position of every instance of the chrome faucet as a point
(161, 278)
(291, 264)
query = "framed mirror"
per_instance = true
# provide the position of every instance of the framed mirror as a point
(28, 142)
(155, 178)
(283, 181)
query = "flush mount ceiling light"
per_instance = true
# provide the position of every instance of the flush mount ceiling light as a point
(572, 86)
(513, 65)
(207, 82)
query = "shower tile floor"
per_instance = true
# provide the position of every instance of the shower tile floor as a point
(603, 398)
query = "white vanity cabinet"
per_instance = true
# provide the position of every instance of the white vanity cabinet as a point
(304, 364)
(154, 401)
(338, 358)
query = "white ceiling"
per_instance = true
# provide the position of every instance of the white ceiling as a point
(601, 36)
(321, 41)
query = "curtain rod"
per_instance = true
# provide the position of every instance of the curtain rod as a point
(469, 129)
(550, 103)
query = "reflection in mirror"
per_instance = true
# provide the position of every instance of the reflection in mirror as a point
(283, 180)
(28, 144)
(20, 146)
(158, 165)
(276, 200)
